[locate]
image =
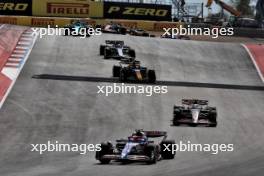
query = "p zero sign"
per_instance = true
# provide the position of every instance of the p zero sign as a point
(16, 7)
(137, 11)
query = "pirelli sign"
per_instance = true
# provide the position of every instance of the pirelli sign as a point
(16, 7)
(68, 8)
(137, 11)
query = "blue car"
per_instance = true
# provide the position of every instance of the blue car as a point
(137, 147)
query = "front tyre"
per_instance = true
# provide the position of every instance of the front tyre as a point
(165, 153)
(153, 154)
(106, 148)
(116, 71)
(212, 118)
(102, 48)
(107, 53)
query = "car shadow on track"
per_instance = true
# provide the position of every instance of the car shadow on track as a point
(159, 82)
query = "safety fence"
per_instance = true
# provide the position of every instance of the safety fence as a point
(86, 9)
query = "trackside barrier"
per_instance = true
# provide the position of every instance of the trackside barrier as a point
(52, 21)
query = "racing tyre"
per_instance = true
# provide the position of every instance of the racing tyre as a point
(123, 31)
(176, 116)
(123, 76)
(212, 118)
(98, 26)
(67, 31)
(151, 76)
(107, 53)
(152, 153)
(132, 53)
(116, 71)
(106, 148)
(102, 50)
(165, 153)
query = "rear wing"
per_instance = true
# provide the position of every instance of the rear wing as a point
(194, 101)
(155, 134)
(115, 42)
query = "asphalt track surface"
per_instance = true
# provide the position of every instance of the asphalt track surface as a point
(38, 110)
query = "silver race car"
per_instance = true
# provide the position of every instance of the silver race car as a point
(116, 49)
(194, 112)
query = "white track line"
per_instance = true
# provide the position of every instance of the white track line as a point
(254, 62)
(11, 64)
(26, 38)
(23, 43)
(22, 47)
(19, 51)
(14, 59)
(17, 55)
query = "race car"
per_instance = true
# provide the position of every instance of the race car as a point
(179, 37)
(132, 71)
(114, 28)
(116, 49)
(195, 112)
(140, 32)
(77, 27)
(137, 147)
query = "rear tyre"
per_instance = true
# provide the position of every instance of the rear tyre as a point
(164, 152)
(102, 49)
(132, 53)
(151, 76)
(116, 71)
(122, 31)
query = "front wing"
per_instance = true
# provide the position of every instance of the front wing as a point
(129, 157)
